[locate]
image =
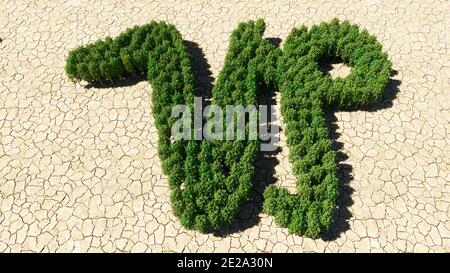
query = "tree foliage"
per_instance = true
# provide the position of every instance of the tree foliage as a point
(210, 179)
(305, 93)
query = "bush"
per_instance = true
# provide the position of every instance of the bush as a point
(209, 180)
(225, 168)
(305, 92)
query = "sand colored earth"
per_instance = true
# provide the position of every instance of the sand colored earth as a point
(79, 169)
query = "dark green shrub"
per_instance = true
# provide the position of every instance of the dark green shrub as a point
(226, 168)
(210, 179)
(215, 175)
(305, 92)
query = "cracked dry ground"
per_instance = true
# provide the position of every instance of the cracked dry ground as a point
(79, 169)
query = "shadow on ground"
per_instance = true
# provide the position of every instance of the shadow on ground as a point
(129, 81)
(344, 171)
(203, 78)
(249, 214)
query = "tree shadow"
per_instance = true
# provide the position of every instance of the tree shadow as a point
(249, 213)
(128, 81)
(344, 171)
(275, 41)
(203, 79)
(344, 200)
(334, 67)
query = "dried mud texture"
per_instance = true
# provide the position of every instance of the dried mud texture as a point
(79, 169)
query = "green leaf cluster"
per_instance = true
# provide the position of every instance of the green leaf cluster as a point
(208, 179)
(221, 175)
(157, 49)
(305, 93)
